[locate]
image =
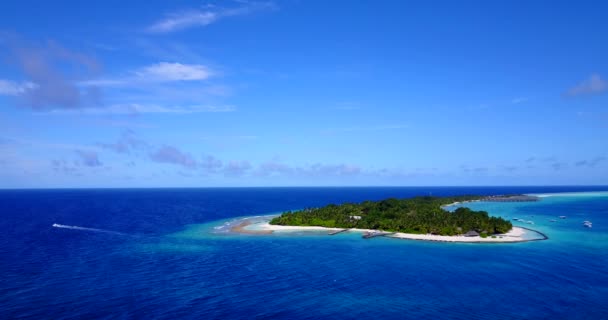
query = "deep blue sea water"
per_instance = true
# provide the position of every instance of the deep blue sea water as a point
(165, 263)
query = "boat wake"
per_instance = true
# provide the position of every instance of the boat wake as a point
(62, 226)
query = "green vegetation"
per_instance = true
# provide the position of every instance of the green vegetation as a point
(419, 215)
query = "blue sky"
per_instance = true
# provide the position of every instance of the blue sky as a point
(310, 93)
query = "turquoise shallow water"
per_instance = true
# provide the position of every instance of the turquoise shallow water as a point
(564, 232)
(168, 261)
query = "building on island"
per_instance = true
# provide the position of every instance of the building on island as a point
(472, 233)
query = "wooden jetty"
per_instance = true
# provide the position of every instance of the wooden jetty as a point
(516, 198)
(369, 235)
(337, 231)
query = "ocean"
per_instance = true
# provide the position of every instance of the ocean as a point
(154, 254)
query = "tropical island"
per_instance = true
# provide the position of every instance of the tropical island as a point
(419, 218)
(420, 215)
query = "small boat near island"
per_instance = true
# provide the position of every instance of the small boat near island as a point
(587, 224)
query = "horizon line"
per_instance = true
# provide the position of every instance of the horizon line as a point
(294, 187)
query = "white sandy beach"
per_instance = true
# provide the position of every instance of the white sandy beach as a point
(516, 234)
(458, 203)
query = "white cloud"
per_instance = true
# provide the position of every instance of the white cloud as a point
(166, 71)
(519, 100)
(183, 20)
(199, 18)
(156, 73)
(277, 168)
(132, 109)
(593, 85)
(105, 82)
(11, 88)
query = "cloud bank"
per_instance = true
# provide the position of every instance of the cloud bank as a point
(135, 109)
(593, 85)
(172, 155)
(52, 74)
(89, 158)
